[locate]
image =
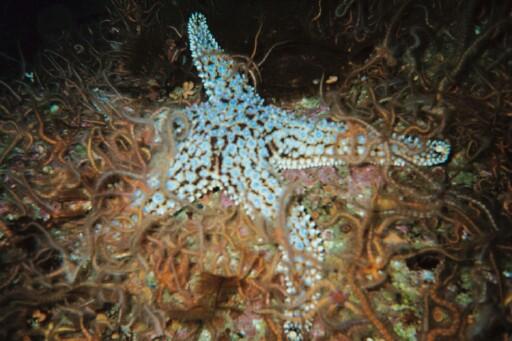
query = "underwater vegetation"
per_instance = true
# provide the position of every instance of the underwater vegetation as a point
(337, 170)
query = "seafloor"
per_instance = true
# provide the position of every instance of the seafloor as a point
(411, 253)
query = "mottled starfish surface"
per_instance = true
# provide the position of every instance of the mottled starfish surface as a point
(237, 143)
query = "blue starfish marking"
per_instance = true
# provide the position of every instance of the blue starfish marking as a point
(237, 143)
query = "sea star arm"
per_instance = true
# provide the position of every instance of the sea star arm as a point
(304, 144)
(221, 80)
(185, 175)
(186, 180)
(302, 269)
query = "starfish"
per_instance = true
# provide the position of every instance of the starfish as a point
(236, 143)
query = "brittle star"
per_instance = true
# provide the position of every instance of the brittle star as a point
(236, 143)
